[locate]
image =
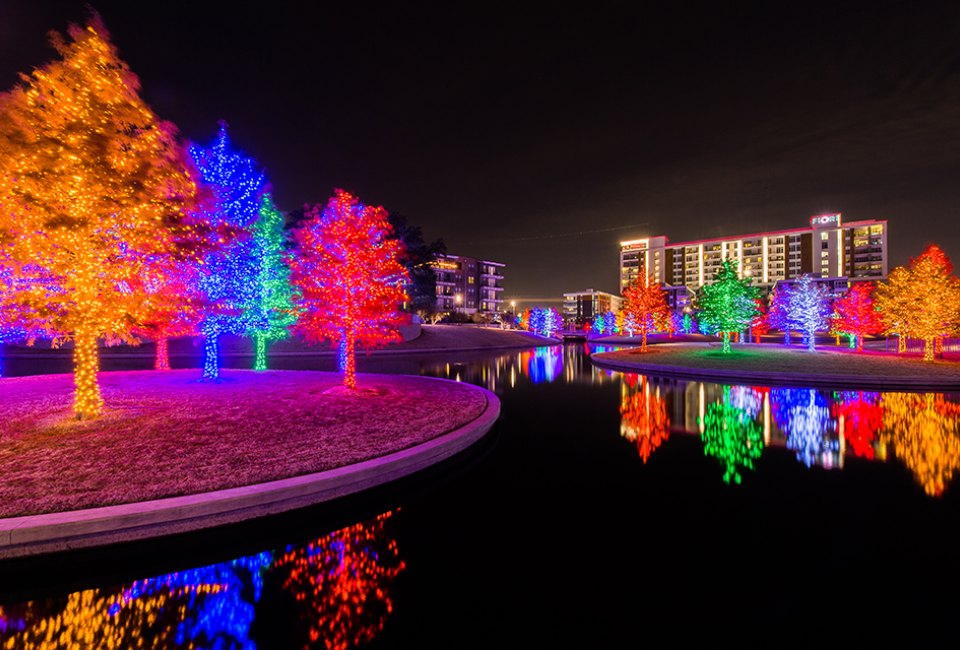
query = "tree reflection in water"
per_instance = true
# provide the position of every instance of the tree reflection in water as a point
(923, 431)
(859, 417)
(731, 436)
(340, 584)
(643, 415)
(803, 415)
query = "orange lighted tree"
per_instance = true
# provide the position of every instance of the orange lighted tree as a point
(92, 185)
(922, 301)
(856, 314)
(646, 303)
(348, 271)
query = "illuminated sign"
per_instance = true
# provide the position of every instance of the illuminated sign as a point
(825, 220)
(634, 245)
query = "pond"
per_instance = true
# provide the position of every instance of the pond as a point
(606, 509)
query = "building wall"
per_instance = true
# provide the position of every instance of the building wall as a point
(826, 248)
(580, 307)
(469, 285)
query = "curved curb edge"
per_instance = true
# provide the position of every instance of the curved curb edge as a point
(61, 531)
(780, 379)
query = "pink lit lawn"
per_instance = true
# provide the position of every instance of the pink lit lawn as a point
(166, 434)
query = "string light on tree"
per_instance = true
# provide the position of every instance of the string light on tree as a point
(728, 303)
(810, 308)
(646, 302)
(93, 187)
(856, 314)
(923, 300)
(229, 281)
(273, 299)
(348, 276)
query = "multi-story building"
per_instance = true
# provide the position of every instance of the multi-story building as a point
(469, 285)
(579, 307)
(827, 248)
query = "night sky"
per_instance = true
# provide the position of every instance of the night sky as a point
(542, 137)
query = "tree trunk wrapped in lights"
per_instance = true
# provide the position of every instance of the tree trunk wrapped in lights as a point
(273, 299)
(93, 189)
(922, 301)
(348, 276)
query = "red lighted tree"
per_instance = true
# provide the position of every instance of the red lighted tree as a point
(760, 324)
(856, 314)
(922, 301)
(350, 279)
(92, 188)
(174, 306)
(646, 303)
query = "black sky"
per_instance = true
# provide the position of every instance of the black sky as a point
(541, 137)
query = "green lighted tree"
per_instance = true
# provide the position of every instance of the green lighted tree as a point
(730, 436)
(728, 303)
(273, 300)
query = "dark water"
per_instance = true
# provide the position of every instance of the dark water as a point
(607, 511)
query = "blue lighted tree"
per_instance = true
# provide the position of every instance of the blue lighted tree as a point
(810, 308)
(610, 322)
(230, 272)
(273, 301)
(599, 324)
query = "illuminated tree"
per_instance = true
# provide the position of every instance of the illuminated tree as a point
(610, 322)
(620, 322)
(810, 308)
(643, 418)
(537, 320)
(687, 323)
(523, 320)
(779, 316)
(922, 301)
(727, 304)
(924, 430)
(647, 303)
(349, 278)
(273, 300)
(856, 314)
(93, 188)
(859, 417)
(174, 304)
(730, 436)
(229, 280)
(759, 325)
(552, 322)
(599, 324)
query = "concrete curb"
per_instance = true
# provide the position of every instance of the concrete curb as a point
(46, 533)
(772, 378)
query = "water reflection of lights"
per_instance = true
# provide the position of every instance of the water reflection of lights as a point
(340, 585)
(643, 415)
(731, 436)
(804, 416)
(820, 427)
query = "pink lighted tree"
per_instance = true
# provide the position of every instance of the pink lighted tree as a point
(350, 279)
